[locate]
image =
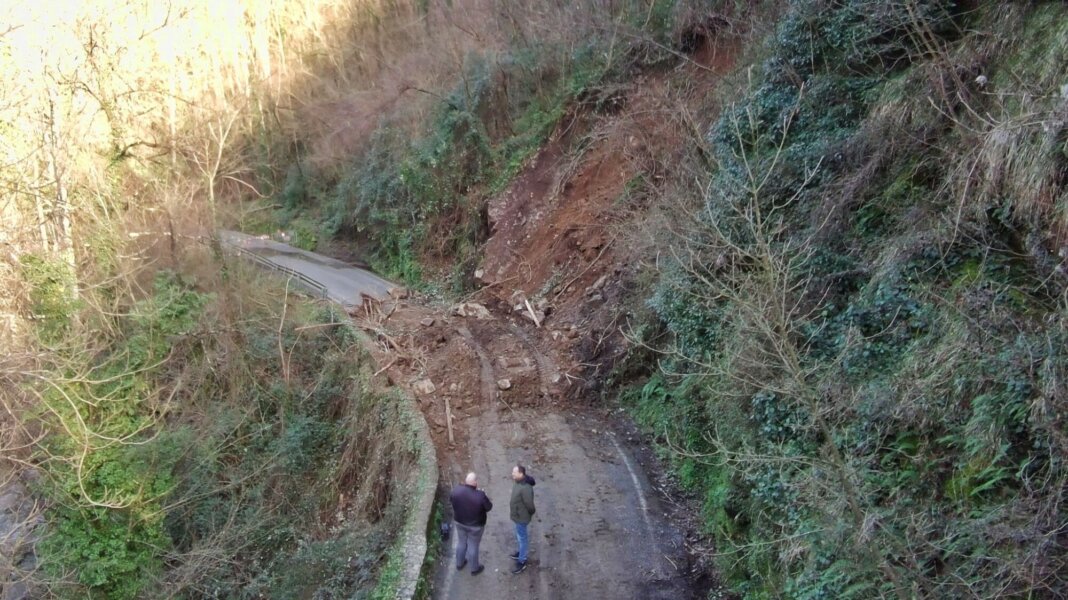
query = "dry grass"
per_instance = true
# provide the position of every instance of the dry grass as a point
(124, 130)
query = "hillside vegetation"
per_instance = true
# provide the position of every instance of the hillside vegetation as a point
(222, 444)
(853, 336)
(864, 317)
(841, 315)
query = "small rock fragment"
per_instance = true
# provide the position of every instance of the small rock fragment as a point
(424, 386)
(504, 384)
(427, 322)
(471, 309)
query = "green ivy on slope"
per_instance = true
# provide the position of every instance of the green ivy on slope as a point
(867, 395)
(106, 474)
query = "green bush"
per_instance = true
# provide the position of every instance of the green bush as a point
(226, 492)
(53, 297)
(109, 475)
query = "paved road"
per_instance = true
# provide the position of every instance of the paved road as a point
(598, 533)
(343, 283)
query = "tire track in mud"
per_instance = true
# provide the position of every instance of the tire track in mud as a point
(487, 390)
(487, 385)
(547, 370)
(546, 498)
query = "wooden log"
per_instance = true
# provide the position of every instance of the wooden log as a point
(448, 418)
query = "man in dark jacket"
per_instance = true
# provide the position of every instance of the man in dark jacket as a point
(469, 508)
(522, 509)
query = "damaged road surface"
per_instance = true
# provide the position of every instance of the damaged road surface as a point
(600, 530)
(597, 533)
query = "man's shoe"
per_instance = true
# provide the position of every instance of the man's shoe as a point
(519, 567)
(478, 570)
(514, 556)
(460, 566)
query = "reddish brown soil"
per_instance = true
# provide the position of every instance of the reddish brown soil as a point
(564, 231)
(419, 342)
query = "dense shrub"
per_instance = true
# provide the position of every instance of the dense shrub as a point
(172, 461)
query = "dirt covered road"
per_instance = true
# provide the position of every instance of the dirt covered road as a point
(597, 532)
(600, 530)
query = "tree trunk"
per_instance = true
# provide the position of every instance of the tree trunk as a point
(64, 237)
(38, 203)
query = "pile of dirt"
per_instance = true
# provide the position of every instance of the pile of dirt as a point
(459, 365)
(566, 234)
(494, 396)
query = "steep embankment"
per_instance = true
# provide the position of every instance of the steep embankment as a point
(575, 231)
(861, 318)
(221, 443)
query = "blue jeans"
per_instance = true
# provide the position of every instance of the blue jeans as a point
(521, 537)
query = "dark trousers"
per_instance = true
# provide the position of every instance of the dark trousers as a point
(467, 540)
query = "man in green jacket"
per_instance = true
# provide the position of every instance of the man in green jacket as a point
(522, 509)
